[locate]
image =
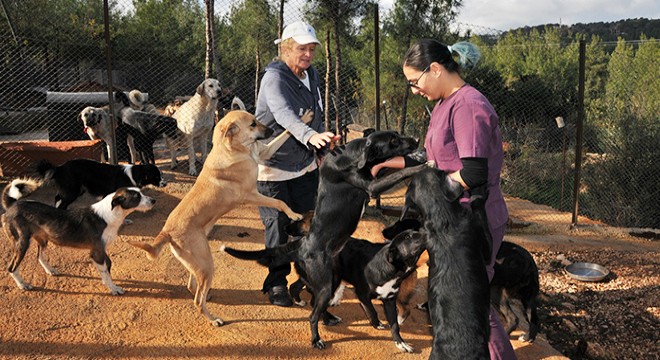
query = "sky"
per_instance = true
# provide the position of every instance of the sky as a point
(510, 14)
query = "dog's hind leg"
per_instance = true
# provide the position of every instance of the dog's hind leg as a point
(103, 265)
(390, 313)
(20, 248)
(199, 262)
(43, 260)
(532, 319)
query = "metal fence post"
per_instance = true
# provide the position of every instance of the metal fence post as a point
(578, 133)
(111, 95)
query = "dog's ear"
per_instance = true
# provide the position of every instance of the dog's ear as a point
(366, 155)
(80, 116)
(228, 131)
(117, 200)
(200, 88)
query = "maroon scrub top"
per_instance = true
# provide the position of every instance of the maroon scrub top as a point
(465, 125)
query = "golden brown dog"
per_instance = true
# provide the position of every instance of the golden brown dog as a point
(228, 179)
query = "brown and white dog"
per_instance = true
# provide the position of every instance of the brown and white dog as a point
(92, 228)
(195, 119)
(228, 179)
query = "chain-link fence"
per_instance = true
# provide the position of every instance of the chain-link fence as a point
(53, 69)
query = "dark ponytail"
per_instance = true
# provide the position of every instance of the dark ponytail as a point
(426, 51)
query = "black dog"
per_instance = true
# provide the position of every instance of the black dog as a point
(459, 250)
(376, 271)
(92, 228)
(516, 277)
(99, 179)
(345, 186)
(144, 127)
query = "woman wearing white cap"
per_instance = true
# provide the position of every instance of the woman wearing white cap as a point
(289, 87)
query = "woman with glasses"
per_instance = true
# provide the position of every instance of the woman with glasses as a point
(464, 140)
(290, 86)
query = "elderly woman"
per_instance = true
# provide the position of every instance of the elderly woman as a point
(289, 87)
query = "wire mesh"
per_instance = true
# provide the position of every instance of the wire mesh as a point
(52, 70)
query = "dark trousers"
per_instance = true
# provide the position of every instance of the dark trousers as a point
(300, 195)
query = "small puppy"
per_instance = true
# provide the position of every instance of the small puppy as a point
(516, 277)
(92, 228)
(99, 179)
(459, 249)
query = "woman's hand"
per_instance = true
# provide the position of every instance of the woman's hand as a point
(322, 139)
(396, 162)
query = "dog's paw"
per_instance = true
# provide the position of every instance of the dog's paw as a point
(318, 344)
(295, 216)
(25, 286)
(332, 320)
(404, 346)
(301, 303)
(52, 272)
(525, 338)
(379, 326)
(307, 116)
(116, 290)
(217, 322)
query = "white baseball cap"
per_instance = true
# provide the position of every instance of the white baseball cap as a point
(301, 32)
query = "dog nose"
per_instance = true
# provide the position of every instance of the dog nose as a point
(162, 183)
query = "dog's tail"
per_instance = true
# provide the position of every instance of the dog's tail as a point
(153, 249)
(237, 104)
(17, 189)
(270, 256)
(46, 169)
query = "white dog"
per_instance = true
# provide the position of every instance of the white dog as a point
(195, 119)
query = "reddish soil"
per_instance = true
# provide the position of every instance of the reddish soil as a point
(73, 316)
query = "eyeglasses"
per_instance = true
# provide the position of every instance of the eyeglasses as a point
(414, 84)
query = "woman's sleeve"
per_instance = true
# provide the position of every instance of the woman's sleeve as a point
(472, 130)
(279, 103)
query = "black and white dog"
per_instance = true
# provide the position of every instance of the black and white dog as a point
(376, 271)
(145, 128)
(92, 228)
(99, 179)
(459, 247)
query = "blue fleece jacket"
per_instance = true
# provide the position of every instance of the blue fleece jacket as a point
(282, 100)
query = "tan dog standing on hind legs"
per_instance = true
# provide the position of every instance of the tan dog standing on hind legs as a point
(228, 179)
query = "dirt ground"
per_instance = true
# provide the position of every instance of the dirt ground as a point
(73, 316)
